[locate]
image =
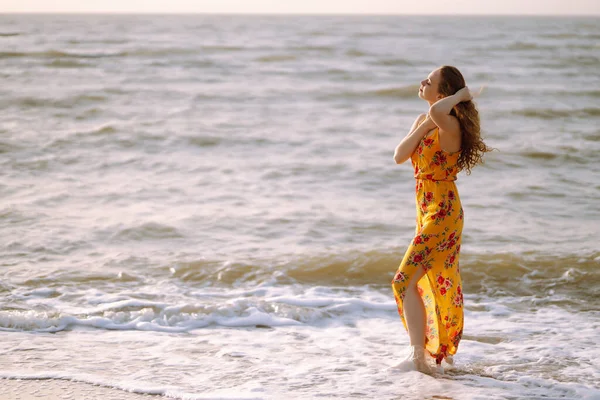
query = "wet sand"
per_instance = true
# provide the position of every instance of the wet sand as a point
(54, 389)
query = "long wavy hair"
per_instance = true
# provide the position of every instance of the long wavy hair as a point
(472, 146)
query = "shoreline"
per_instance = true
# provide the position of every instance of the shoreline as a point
(60, 389)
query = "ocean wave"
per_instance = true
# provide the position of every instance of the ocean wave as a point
(355, 53)
(392, 62)
(567, 156)
(65, 102)
(58, 63)
(517, 47)
(56, 279)
(299, 293)
(276, 58)
(571, 62)
(148, 230)
(550, 113)
(588, 93)
(501, 272)
(17, 215)
(17, 248)
(401, 92)
(540, 155)
(525, 46)
(321, 49)
(223, 48)
(101, 130)
(511, 92)
(205, 141)
(60, 54)
(338, 71)
(128, 386)
(173, 51)
(136, 386)
(95, 40)
(235, 311)
(80, 137)
(53, 54)
(9, 147)
(592, 136)
(570, 35)
(379, 34)
(584, 60)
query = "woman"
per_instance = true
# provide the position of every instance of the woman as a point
(440, 144)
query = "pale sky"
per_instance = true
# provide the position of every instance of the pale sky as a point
(525, 7)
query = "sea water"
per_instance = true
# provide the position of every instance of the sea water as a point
(207, 206)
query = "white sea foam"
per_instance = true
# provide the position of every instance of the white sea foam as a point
(239, 308)
(178, 228)
(141, 387)
(503, 353)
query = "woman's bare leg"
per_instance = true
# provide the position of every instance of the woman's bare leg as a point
(414, 311)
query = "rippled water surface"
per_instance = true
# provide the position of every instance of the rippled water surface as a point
(217, 193)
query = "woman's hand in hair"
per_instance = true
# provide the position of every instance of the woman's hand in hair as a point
(464, 94)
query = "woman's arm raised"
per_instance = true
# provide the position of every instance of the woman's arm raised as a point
(440, 110)
(410, 142)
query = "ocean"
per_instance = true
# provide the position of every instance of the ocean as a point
(207, 206)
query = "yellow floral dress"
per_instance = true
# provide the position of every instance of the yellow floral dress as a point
(435, 248)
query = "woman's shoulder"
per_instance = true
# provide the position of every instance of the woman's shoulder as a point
(421, 118)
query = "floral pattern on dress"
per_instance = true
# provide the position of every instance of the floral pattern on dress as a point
(435, 248)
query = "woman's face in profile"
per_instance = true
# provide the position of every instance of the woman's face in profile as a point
(429, 87)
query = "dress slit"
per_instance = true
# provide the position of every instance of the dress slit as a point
(436, 249)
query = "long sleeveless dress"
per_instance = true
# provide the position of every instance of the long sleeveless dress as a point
(435, 248)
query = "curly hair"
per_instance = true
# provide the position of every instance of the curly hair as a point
(472, 146)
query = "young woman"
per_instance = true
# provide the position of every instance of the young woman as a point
(427, 286)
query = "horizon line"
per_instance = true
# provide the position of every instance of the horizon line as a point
(312, 14)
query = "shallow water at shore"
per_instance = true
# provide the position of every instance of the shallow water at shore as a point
(201, 206)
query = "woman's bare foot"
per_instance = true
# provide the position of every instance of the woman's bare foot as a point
(416, 360)
(420, 360)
